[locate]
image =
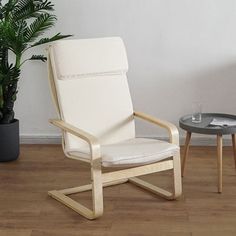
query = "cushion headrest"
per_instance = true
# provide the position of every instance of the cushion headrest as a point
(88, 57)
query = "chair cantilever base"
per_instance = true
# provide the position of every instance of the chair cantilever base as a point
(77, 207)
(61, 195)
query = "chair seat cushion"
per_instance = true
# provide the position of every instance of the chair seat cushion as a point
(132, 152)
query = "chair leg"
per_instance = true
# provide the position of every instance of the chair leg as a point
(77, 207)
(150, 187)
(60, 195)
(97, 190)
(159, 191)
(97, 196)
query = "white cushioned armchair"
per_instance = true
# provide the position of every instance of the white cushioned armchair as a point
(90, 90)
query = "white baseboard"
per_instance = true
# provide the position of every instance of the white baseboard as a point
(206, 140)
(40, 139)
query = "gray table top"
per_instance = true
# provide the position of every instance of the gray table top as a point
(204, 126)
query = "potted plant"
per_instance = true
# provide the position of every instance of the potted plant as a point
(22, 24)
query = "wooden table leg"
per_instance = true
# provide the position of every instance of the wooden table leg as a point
(186, 148)
(234, 147)
(219, 161)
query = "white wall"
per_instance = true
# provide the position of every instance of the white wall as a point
(179, 52)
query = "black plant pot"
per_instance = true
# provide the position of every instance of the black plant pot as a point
(9, 141)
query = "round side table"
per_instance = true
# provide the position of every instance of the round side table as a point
(204, 127)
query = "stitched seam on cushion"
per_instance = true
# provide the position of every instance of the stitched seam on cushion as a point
(126, 159)
(80, 76)
(137, 158)
(128, 164)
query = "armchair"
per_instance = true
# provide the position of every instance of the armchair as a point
(91, 94)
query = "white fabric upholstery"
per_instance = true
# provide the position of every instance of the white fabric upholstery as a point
(97, 103)
(132, 152)
(93, 95)
(89, 57)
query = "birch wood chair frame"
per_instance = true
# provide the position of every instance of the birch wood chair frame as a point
(100, 180)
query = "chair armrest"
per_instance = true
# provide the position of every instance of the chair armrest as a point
(89, 138)
(172, 129)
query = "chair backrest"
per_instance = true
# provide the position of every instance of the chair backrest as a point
(90, 89)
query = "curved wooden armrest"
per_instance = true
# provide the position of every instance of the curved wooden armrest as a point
(172, 129)
(89, 138)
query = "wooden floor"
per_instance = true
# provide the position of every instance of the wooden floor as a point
(27, 210)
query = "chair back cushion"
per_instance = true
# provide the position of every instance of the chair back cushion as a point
(92, 90)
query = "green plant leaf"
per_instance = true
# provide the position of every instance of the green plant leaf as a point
(1, 15)
(12, 35)
(8, 8)
(48, 40)
(22, 24)
(38, 57)
(31, 8)
(42, 23)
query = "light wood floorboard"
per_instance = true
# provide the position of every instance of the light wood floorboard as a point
(27, 210)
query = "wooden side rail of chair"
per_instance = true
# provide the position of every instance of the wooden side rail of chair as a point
(89, 138)
(172, 129)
